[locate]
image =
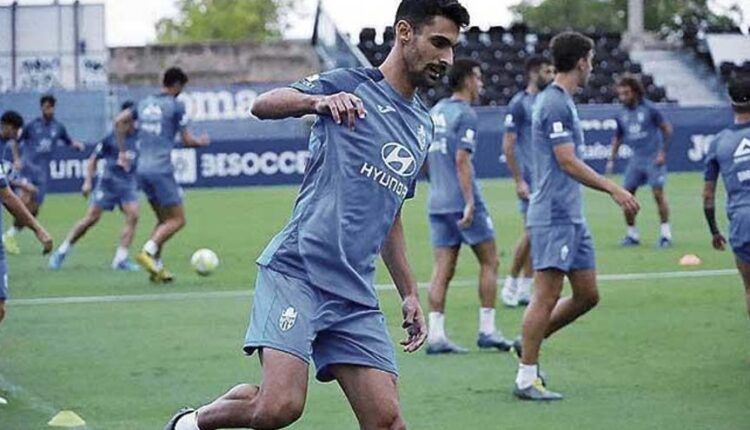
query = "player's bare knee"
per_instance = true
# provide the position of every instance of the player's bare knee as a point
(491, 264)
(276, 413)
(589, 300)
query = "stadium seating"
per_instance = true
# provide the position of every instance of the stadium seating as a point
(502, 52)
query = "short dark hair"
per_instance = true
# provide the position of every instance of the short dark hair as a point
(534, 63)
(569, 47)
(13, 118)
(421, 12)
(739, 93)
(457, 74)
(127, 104)
(632, 82)
(47, 98)
(174, 75)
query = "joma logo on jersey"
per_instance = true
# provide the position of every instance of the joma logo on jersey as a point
(742, 153)
(399, 159)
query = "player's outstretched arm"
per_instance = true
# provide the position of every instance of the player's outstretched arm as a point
(20, 213)
(465, 171)
(580, 171)
(666, 131)
(122, 124)
(616, 142)
(88, 179)
(509, 150)
(394, 257)
(287, 102)
(17, 163)
(190, 141)
(709, 192)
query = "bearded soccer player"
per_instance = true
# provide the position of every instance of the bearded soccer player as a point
(314, 296)
(114, 187)
(161, 118)
(517, 149)
(39, 140)
(457, 212)
(729, 156)
(10, 124)
(561, 245)
(642, 127)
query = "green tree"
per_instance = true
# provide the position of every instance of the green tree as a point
(224, 20)
(612, 14)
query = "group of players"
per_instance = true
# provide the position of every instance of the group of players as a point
(314, 296)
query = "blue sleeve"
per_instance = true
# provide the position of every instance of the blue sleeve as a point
(3, 179)
(64, 135)
(325, 84)
(711, 168)
(656, 116)
(181, 119)
(620, 129)
(467, 131)
(515, 116)
(557, 124)
(25, 133)
(104, 148)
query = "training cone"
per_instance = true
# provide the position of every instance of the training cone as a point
(690, 260)
(66, 419)
(3, 401)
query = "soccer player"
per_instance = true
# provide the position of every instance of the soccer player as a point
(561, 244)
(643, 128)
(457, 212)
(729, 155)
(314, 296)
(114, 187)
(517, 149)
(161, 118)
(10, 124)
(39, 140)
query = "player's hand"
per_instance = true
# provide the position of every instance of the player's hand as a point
(468, 217)
(203, 140)
(718, 241)
(522, 190)
(45, 239)
(123, 160)
(342, 107)
(414, 324)
(86, 188)
(661, 158)
(609, 168)
(627, 201)
(78, 146)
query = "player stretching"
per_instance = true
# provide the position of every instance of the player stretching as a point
(561, 244)
(517, 149)
(729, 155)
(115, 187)
(643, 128)
(161, 117)
(314, 296)
(10, 124)
(39, 139)
(457, 212)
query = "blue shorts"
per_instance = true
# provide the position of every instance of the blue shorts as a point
(4, 295)
(639, 173)
(161, 188)
(523, 206)
(38, 181)
(446, 233)
(566, 247)
(739, 235)
(292, 316)
(108, 193)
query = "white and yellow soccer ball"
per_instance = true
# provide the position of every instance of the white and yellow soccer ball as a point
(204, 261)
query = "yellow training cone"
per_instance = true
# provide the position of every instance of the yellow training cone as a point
(66, 419)
(690, 260)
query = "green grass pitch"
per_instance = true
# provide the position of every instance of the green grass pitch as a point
(656, 354)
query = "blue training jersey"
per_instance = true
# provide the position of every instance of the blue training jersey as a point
(3, 184)
(456, 126)
(557, 197)
(639, 129)
(160, 118)
(729, 155)
(354, 186)
(518, 121)
(108, 151)
(38, 141)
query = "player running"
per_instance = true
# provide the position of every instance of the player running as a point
(114, 187)
(642, 127)
(161, 118)
(314, 297)
(10, 124)
(561, 244)
(457, 212)
(39, 140)
(729, 155)
(517, 149)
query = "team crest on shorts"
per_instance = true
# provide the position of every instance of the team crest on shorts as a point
(564, 252)
(287, 319)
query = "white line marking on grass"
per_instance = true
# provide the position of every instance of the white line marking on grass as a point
(20, 394)
(248, 293)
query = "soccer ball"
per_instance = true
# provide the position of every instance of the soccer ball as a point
(204, 261)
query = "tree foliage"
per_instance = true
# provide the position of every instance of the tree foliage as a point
(224, 20)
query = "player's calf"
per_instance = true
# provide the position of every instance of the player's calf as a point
(2, 310)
